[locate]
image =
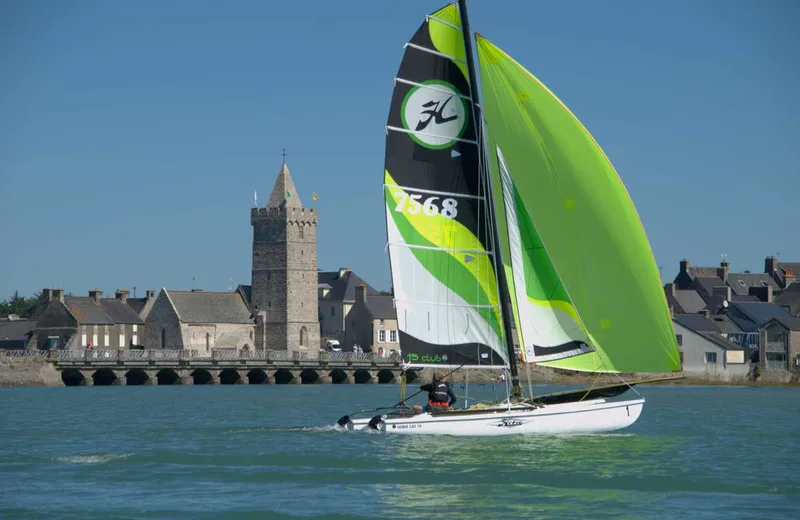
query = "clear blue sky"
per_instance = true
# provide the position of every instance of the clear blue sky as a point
(132, 134)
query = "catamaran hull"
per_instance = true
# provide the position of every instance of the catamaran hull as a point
(595, 416)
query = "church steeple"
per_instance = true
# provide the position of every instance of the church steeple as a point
(284, 193)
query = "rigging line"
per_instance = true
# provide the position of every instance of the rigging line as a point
(427, 134)
(435, 53)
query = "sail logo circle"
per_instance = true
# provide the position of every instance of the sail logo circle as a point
(435, 114)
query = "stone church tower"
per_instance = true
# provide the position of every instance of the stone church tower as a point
(284, 285)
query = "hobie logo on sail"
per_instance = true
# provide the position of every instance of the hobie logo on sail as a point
(434, 114)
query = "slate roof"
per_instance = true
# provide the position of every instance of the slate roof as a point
(790, 322)
(381, 307)
(16, 329)
(137, 304)
(740, 282)
(343, 288)
(703, 272)
(760, 313)
(724, 323)
(744, 298)
(210, 307)
(696, 322)
(707, 284)
(104, 311)
(790, 295)
(721, 341)
(689, 300)
(794, 267)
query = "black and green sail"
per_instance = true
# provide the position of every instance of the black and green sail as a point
(443, 276)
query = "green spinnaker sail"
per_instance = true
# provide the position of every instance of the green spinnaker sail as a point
(584, 217)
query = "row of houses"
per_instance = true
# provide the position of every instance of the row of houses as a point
(727, 323)
(350, 311)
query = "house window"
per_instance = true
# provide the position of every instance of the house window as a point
(106, 340)
(392, 336)
(381, 321)
(94, 340)
(381, 336)
(163, 338)
(679, 337)
(122, 340)
(711, 358)
(83, 340)
(135, 328)
(134, 340)
(681, 355)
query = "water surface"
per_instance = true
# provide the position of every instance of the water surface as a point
(270, 452)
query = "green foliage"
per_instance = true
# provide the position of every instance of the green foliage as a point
(19, 305)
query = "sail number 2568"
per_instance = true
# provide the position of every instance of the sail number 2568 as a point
(413, 204)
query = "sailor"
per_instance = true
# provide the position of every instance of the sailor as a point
(440, 395)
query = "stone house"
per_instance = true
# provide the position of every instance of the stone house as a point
(780, 337)
(200, 321)
(706, 353)
(785, 274)
(142, 306)
(372, 323)
(337, 295)
(708, 282)
(75, 322)
(790, 299)
(16, 333)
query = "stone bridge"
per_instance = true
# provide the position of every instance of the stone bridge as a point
(186, 367)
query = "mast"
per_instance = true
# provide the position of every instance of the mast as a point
(502, 282)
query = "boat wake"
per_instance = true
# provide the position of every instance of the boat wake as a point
(92, 459)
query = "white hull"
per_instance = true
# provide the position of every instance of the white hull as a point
(593, 416)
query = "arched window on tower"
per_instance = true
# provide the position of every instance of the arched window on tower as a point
(303, 336)
(163, 338)
(302, 235)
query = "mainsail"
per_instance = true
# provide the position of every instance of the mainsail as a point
(445, 289)
(584, 218)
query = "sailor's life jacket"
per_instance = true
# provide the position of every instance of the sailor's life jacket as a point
(440, 395)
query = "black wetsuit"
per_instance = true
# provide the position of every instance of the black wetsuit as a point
(439, 392)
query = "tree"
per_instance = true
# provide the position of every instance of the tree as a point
(20, 305)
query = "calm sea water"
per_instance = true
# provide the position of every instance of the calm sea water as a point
(271, 452)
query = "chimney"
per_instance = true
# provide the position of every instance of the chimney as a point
(95, 294)
(770, 265)
(719, 294)
(122, 295)
(58, 294)
(361, 293)
(151, 294)
(47, 295)
(685, 266)
(670, 289)
(763, 293)
(722, 271)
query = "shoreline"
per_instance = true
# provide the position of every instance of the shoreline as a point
(19, 373)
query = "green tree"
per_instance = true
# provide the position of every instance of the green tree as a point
(19, 305)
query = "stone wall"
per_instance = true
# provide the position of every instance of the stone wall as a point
(162, 317)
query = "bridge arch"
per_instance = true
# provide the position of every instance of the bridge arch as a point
(202, 377)
(362, 376)
(386, 376)
(230, 376)
(339, 376)
(257, 376)
(72, 377)
(104, 377)
(167, 376)
(137, 376)
(309, 376)
(283, 376)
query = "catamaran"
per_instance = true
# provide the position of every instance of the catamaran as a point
(507, 207)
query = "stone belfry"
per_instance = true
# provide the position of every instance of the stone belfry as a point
(284, 285)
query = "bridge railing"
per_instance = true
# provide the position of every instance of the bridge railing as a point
(115, 355)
